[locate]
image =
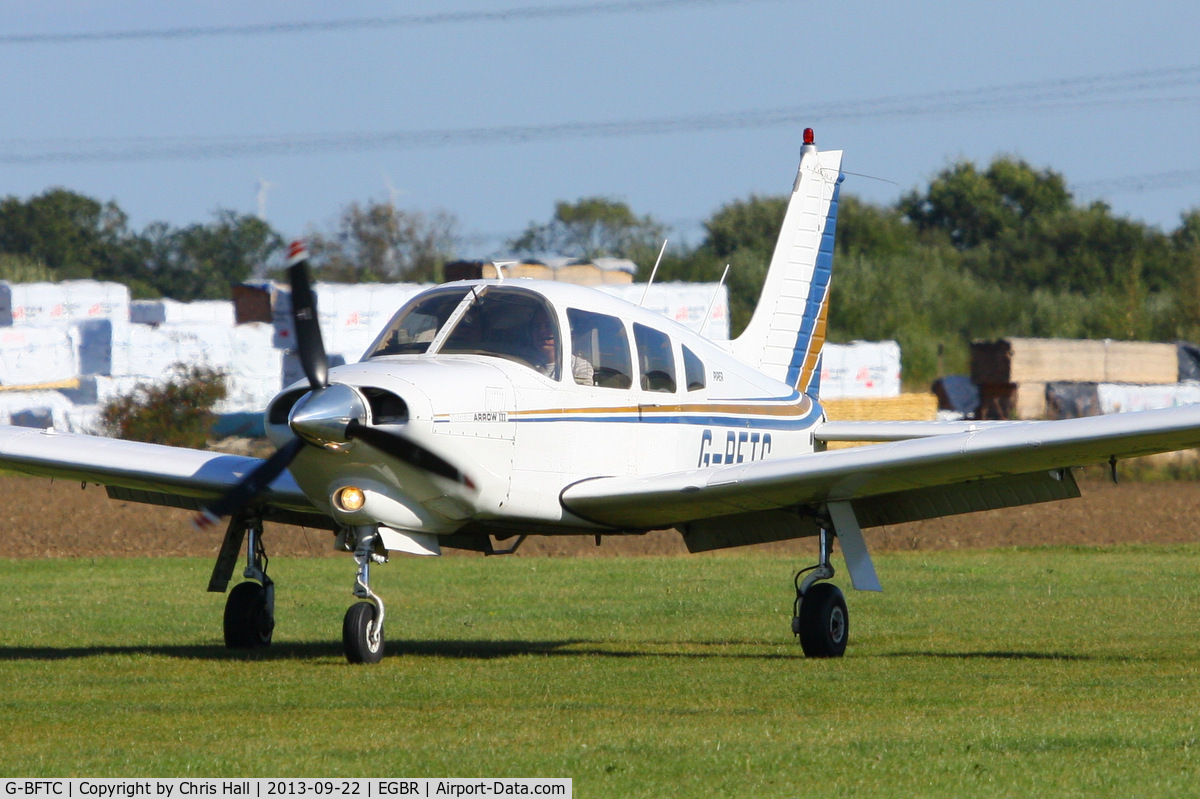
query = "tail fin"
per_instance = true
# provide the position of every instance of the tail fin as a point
(786, 332)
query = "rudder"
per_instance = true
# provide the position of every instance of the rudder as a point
(787, 331)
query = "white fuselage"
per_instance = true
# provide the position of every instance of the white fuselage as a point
(523, 436)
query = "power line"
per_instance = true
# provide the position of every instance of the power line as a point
(519, 14)
(1156, 181)
(1145, 87)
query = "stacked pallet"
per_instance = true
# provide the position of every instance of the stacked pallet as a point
(585, 272)
(1012, 374)
(916, 407)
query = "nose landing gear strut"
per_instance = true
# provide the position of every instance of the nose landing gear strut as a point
(362, 628)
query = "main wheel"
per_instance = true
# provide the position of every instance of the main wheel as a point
(248, 620)
(824, 623)
(361, 641)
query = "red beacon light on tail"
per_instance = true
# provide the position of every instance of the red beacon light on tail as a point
(809, 136)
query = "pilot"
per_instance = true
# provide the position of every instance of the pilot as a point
(545, 346)
(545, 341)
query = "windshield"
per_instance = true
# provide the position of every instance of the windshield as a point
(507, 323)
(415, 328)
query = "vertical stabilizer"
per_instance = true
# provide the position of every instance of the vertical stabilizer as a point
(786, 333)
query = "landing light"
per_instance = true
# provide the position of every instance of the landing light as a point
(350, 498)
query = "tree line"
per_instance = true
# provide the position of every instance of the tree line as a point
(62, 235)
(978, 253)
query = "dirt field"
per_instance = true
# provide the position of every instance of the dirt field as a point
(44, 518)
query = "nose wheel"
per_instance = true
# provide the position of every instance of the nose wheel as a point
(362, 634)
(362, 628)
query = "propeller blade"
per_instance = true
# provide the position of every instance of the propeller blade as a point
(406, 450)
(251, 486)
(309, 345)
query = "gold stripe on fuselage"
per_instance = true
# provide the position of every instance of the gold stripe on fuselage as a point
(786, 409)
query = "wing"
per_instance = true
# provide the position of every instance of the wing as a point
(938, 475)
(898, 431)
(150, 473)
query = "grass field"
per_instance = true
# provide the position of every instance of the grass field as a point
(1044, 672)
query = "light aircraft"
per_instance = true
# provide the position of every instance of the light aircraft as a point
(489, 410)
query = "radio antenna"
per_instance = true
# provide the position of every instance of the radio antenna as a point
(653, 272)
(713, 301)
(499, 267)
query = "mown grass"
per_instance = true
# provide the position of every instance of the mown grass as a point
(1047, 672)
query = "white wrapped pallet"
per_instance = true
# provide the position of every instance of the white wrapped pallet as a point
(860, 369)
(81, 419)
(1128, 397)
(102, 389)
(87, 402)
(61, 304)
(153, 351)
(253, 353)
(292, 371)
(253, 375)
(686, 303)
(348, 322)
(281, 318)
(40, 409)
(247, 394)
(351, 315)
(118, 350)
(172, 312)
(95, 299)
(37, 304)
(33, 355)
(103, 347)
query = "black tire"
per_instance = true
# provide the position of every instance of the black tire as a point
(356, 634)
(824, 622)
(248, 621)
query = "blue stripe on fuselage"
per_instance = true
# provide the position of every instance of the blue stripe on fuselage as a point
(709, 420)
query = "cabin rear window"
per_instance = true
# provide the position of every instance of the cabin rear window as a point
(693, 370)
(656, 361)
(599, 341)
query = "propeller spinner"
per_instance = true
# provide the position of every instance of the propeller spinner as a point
(330, 415)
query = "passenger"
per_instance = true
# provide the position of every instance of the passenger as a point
(582, 368)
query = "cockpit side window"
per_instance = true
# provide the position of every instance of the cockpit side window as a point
(599, 350)
(656, 361)
(414, 328)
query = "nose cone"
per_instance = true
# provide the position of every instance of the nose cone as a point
(321, 417)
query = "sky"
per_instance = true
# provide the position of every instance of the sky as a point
(494, 110)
